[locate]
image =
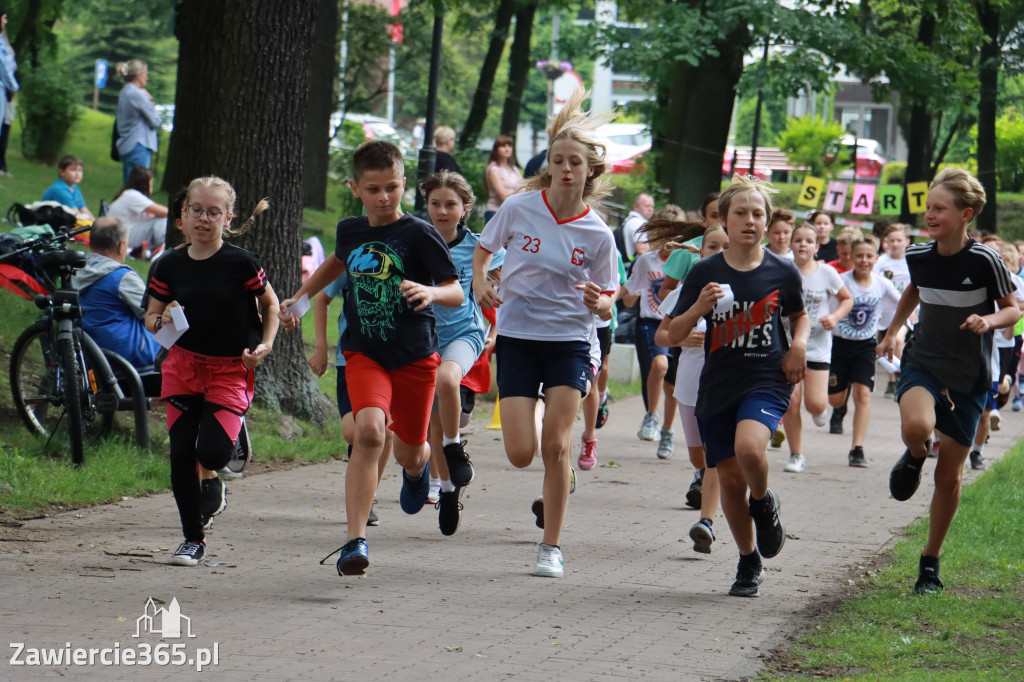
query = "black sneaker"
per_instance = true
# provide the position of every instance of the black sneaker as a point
(460, 470)
(905, 476)
(695, 492)
(771, 536)
(749, 574)
(213, 497)
(928, 581)
(190, 553)
(977, 461)
(857, 458)
(538, 510)
(242, 454)
(449, 511)
(835, 422)
(602, 414)
(372, 519)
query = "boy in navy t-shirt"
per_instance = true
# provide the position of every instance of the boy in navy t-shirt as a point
(750, 370)
(965, 292)
(390, 347)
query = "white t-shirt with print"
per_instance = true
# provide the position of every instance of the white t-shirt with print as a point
(820, 287)
(130, 207)
(896, 271)
(873, 308)
(646, 279)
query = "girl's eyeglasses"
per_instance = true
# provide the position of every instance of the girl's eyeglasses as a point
(197, 211)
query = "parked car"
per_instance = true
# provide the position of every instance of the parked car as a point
(376, 128)
(870, 158)
(625, 144)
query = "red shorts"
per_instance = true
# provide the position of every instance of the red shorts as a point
(406, 393)
(222, 381)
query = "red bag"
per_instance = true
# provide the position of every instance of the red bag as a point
(19, 282)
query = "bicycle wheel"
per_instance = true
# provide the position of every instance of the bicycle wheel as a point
(71, 380)
(33, 376)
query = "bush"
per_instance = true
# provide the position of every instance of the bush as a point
(893, 173)
(815, 144)
(1009, 152)
(47, 108)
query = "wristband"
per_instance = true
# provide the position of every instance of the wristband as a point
(158, 324)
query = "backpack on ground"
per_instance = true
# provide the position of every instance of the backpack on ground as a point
(41, 213)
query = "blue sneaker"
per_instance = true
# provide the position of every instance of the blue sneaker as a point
(354, 557)
(415, 490)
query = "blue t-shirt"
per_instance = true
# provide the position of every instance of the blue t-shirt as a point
(335, 289)
(743, 346)
(64, 194)
(381, 323)
(465, 322)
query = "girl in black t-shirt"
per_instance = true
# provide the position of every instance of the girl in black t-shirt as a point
(208, 373)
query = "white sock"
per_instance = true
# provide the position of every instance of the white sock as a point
(447, 486)
(448, 441)
(980, 449)
(604, 396)
(435, 482)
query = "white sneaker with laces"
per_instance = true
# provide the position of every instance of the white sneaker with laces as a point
(995, 420)
(796, 463)
(649, 427)
(549, 562)
(822, 419)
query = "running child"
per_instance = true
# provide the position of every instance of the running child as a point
(749, 372)
(559, 273)
(780, 233)
(823, 289)
(892, 265)
(208, 374)
(398, 266)
(824, 223)
(847, 237)
(965, 292)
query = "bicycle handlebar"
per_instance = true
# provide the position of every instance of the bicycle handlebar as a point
(45, 242)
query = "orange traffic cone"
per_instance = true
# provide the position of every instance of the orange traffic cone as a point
(496, 421)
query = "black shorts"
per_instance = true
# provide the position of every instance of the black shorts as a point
(344, 404)
(604, 340)
(853, 362)
(821, 366)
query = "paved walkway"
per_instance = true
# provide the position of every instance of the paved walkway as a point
(636, 601)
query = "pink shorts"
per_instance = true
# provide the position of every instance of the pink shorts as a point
(222, 381)
(406, 393)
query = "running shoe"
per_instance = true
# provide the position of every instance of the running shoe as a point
(933, 451)
(778, 438)
(905, 476)
(572, 480)
(749, 574)
(928, 581)
(549, 562)
(354, 558)
(702, 536)
(538, 510)
(890, 389)
(242, 454)
(588, 454)
(373, 519)
(414, 490)
(771, 536)
(821, 419)
(649, 427)
(189, 553)
(857, 458)
(665, 447)
(977, 461)
(602, 414)
(995, 420)
(212, 497)
(1018, 404)
(695, 492)
(434, 493)
(795, 464)
(835, 422)
(449, 512)
(460, 469)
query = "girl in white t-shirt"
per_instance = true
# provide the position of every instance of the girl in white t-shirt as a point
(823, 289)
(559, 273)
(691, 362)
(146, 220)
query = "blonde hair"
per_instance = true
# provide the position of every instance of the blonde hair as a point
(897, 227)
(572, 123)
(667, 235)
(443, 135)
(669, 212)
(741, 184)
(717, 227)
(454, 182)
(215, 184)
(967, 192)
(130, 70)
(1012, 258)
(869, 239)
(850, 236)
(805, 226)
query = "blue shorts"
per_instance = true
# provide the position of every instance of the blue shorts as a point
(344, 404)
(718, 431)
(646, 328)
(956, 414)
(524, 364)
(992, 397)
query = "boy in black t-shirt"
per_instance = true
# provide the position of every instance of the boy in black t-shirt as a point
(749, 372)
(965, 292)
(390, 347)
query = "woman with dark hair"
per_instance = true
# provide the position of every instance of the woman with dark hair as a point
(137, 118)
(502, 177)
(146, 219)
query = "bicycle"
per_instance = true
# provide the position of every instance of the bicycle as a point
(56, 369)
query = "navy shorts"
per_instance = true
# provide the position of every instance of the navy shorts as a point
(718, 431)
(344, 404)
(524, 364)
(956, 414)
(604, 341)
(645, 329)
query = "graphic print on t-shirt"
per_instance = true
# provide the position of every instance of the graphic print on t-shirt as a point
(376, 271)
(655, 280)
(750, 328)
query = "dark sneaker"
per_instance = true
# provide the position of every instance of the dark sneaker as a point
(602, 414)
(189, 553)
(242, 454)
(449, 511)
(857, 458)
(538, 510)
(749, 574)
(373, 519)
(928, 581)
(835, 422)
(905, 476)
(459, 468)
(695, 492)
(771, 536)
(354, 559)
(977, 461)
(207, 522)
(414, 490)
(213, 497)
(702, 536)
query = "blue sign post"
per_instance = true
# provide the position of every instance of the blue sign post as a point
(99, 81)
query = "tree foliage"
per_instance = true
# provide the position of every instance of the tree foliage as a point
(814, 143)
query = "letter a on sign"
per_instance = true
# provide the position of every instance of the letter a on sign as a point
(863, 199)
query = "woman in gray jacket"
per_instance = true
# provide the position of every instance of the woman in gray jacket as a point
(137, 118)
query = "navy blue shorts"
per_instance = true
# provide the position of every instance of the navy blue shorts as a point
(344, 404)
(718, 431)
(956, 414)
(645, 329)
(524, 364)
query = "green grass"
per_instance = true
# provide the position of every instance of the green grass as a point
(974, 629)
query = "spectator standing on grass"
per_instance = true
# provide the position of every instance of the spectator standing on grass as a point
(138, 121)
(501, 177)
(8, 86)
(444, 144)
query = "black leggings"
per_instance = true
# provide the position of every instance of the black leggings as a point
(196, 436)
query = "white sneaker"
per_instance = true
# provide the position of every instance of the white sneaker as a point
(796, 463)
(822, 419)
(649, 427)
(434, 492)
(995, 420)
(549, 562)
(229, 475)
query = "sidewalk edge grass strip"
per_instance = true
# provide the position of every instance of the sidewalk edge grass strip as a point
(974, 629)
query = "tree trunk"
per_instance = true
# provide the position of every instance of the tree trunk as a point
(518, 67)
(482, 97)
(243, 81)
(919, 137)
(322, 101)
(988, 75)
